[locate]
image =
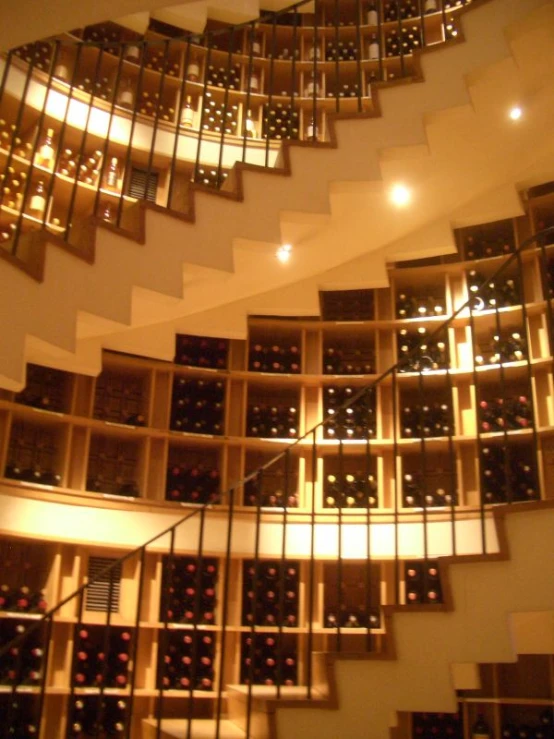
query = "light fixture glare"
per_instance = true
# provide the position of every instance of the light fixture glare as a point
(400, 195)
(283, 253)
(515, 113)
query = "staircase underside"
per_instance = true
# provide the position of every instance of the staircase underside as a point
(448, 137)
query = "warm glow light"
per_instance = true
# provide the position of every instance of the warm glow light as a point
(400, 195)
(516, 113)
(284, 253)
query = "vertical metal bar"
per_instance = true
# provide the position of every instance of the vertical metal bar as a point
(282, 577)
(209, 40)
(194, 653)
(315, 86)
(219, 707)
(7, 66)
(134, 648)
(506, 446)
(397, 490)
(423, 478)
(422, 21)
(311, 573)
(106, 145)
(337, 65)
(79, 623)
(225, 106)
(293, 90)
(546, 293)
(339, 532)
(182, 100)
(75, 187)
(255, 577)
(249, 36)
(17, 124)
(359, 54)
(525, 320)
(134, 114)
(401, 50)
(154, 129)
(45, 655)
(452, 478)
(161, 652)
(270, 85)
(367, 581)
(478, 425)
(107, 656)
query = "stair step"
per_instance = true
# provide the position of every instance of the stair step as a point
(177, 728)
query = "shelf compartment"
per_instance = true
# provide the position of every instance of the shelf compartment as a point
(193, 474)
(351, 595)
(122, 396)
(116, 465)
(37, 450)
(47, 389)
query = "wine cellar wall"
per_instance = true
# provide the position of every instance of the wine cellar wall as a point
(186, 433)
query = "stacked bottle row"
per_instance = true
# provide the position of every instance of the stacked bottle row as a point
(22, 599)
(434, 488)
(275, 421)
(280, 121)
(102, 657)
(358, 421)
(427, 421)
(189, 589)
(270, 593)
(505, 414)
(437, 726)
(541, 728)
(338, 361)
(418, 352)
(358, 490)
(22, 665)
(92, 716)
(186, 661)
(508, 474)
(192, 484)
(268, 659)
(18, 716)
(274, 358)
(422, 582)
(276, 487)
(197, 351)
(198, 406)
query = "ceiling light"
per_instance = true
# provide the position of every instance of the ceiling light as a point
(283, 253)
(400, 195)
(515, 113)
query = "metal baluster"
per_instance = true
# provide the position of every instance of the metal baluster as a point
(209, 40)
(529, 372)
(155, 125)
(219, 707)
(44, 671)
(400, 50)
(249, 36)
(194, 654)
(163, 642)
(17, 124)
(422, 21)
(506, 446)
(182, 96)
(311, 566)
(270, 86)
(220, 179)
(423, 478)
(337, 64)
(75, 187)
(293, 107)
(106, 144)
(359, 54)
(282, 577)
(367, 582)
(547, 297)
(452, 478)
(255, 577)
(315, 85)
(134, 648)
(339, 532)
(76, 629)
(478, 429)
(397, 487)
(134, 114)
(107, 657)
(5, 73)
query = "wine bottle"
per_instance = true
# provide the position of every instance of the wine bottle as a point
(37, 203)
(45, 152)
(112, 175)
(480, 729)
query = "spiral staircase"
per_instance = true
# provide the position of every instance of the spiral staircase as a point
(446, 134)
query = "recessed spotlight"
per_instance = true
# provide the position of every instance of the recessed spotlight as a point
(400, 195)
(515, 113)
(283, 253)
